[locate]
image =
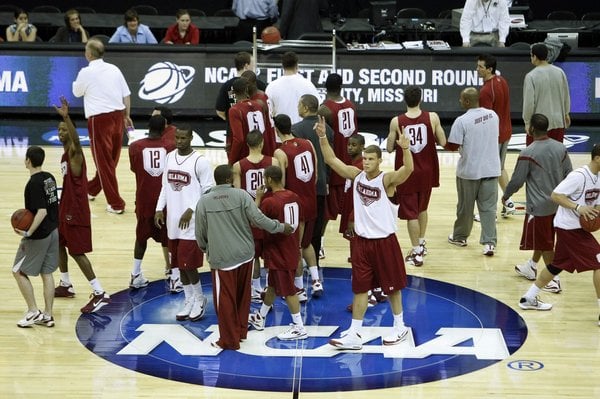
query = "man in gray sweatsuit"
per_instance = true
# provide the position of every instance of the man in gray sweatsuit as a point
(223, 218)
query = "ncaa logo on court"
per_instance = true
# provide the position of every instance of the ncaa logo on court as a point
(454, 331)
(166, 82)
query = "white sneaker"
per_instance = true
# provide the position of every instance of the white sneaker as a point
(198, 308)
(508, 208)
(301, 294)
(257, 295)
(527, 270)
(110, 209)
(175, 285)
(294, 332)
(317, 288)
(257, 321)
(477, 218)
(347, 340)
(488, 249)
(185, 311)
(553, 286)
(138, 281)
(534, 304)
(398, 335)
(31, 318)
(423, 246)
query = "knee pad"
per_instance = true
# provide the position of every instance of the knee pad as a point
(553, 269)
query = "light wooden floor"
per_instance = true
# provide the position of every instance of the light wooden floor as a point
(52, 363)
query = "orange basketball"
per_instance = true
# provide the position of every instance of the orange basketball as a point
(590, 225)
(270, 35)
(21, 219)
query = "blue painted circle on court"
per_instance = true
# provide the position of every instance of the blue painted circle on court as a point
(455, 331)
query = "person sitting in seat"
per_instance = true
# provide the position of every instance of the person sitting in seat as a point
(73, 31)
(132, 31)
(21, 30)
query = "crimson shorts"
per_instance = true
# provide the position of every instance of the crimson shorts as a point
(538, 233)
(282, 281)
(377, 262)
(77, 239)
(334, 202)
(185, 254)
(146, 229)
(410, 205)
(309, 228)
(576, 250)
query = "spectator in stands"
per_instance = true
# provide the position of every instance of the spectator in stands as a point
(132, 31)
(484, 22)
(259, 13)
(299, 17)
(21, 30)
(73, 31)
(183, 31)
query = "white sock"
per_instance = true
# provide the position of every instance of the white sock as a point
(314, 272)
(256, 284)
(421, 240)
(297, 319)
(417, 249)
(399, 320)
(137, 267)
(532, 292)
(175, 274)
(532, 264)
(197, 288)
(356, 326)
(264, 310)
(96, 286)
(299, 282)
(188, 291)
(64, 277)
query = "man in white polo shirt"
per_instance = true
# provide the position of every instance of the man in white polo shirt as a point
(484, 22)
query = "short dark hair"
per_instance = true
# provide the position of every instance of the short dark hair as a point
(289, 60)
(333, 84)
(223, 173)
(274, 172)
(540, 51)
(181, 12)
(131, 15)
(489, 61)
(311, 102)
(20, 11)
(283, 123)
(165, 113)
(359, 138)
(596, 150)
(36, 155)
(254, 138)
(186, 128)
(539, 123)
(156, 125)
(240, 86)
(373, 149)
(412, 96)
(241, 59)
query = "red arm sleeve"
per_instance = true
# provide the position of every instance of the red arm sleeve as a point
(237, 139)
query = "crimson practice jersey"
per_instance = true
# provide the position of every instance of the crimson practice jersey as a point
(344, 124)
(252, 174)
(281, 252)
(422, 145)
(269, 136)
(74, 206)
(244, 116)
(300, 175)
(147, 162)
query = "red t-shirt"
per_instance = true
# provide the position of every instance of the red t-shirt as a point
(192, 35)
(282, 252)
(494, 95)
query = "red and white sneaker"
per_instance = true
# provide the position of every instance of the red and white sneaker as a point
(97, 301)
(398, 335)
(63, 290)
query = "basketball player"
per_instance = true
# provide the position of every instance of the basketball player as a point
(224, 216)
(168, 134)
(542, 166)
(38, 249)
(340, 114)
(377, 258)
(186, 177)
(248, 174)
(576, 249)
(243, 116)
(280, 253)
(74, 226)
(147, 161)
(424, 130)
(255, 94)
(298, 162)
